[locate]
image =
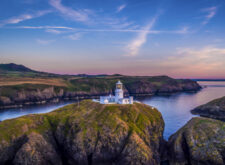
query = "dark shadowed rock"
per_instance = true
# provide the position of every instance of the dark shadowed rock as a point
(85, 134)
(214, 109)
(200, 142)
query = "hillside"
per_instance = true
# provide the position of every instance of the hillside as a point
(214, 109)
(24, 88)
(14, 68)
(20, 71)
(85, 134)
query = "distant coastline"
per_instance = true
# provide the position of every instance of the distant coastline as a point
(208, 79)
(21, 86)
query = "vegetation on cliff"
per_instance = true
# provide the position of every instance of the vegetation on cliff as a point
(20, 85)
(214, 109)
(200, 142)
(85, 133)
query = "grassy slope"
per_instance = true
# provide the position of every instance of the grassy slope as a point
(132, 133)
(87, 115)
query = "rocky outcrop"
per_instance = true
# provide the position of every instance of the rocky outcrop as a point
(27, 97)
(87, 133)
(200, 142)
(214, 109)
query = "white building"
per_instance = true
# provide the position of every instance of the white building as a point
(118, 98)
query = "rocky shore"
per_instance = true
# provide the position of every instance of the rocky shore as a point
(200, 142)
(214, 109)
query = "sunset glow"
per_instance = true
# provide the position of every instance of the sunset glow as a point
(181, 39)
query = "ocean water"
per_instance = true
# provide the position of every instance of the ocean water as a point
(175, 108)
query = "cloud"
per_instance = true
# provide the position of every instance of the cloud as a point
(210, 13)
(23, 17)
(45, 27)
(54, 31)
(208, 58)
(75, 36)
(183, 30)
(76, 15)
(121, 7)
(44, 42)
(135, 45)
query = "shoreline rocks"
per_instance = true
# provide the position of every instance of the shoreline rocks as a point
(200, 142)
(214, 109)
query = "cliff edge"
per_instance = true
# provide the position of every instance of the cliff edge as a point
(86, 133)
(214, 109)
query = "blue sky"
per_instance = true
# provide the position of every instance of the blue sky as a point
(179, 38)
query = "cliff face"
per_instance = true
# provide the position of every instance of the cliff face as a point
(200, 142)
(214, 109)
(22, 97)
(88, 133)
(19, 95)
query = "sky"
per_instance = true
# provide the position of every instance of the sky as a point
(178, 38)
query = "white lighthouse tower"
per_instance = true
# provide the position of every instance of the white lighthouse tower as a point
(118, 91)
(118, 98)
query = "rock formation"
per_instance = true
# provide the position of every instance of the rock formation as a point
(86, 133)
(200, 142)
(214, 109)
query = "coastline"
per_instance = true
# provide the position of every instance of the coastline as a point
(84, 97)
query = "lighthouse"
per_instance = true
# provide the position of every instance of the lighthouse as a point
(118, 98)
(118, 91)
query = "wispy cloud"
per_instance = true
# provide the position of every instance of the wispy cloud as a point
(23, 17)
(44, 42)
(76, 15)
(210, 13)
(45, 27)
(54, 31)
(205, 59)
(120, 8)
(75, 36)
(135, 45)
(57, 29)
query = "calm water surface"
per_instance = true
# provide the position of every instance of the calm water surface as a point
(174, 108)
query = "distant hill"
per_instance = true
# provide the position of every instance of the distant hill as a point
(15, 68)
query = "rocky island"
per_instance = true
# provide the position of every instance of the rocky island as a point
(200, 142)
(214, 109)
(87, 133)
(21, 86)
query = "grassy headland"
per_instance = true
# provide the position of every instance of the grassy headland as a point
(88, 133)
(21, 85)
